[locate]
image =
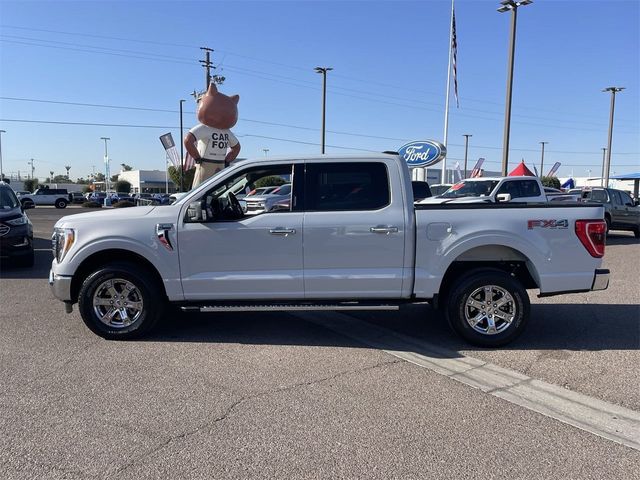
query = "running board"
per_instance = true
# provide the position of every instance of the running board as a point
(287, 307)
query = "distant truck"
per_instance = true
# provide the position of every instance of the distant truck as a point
(493, 190)
(621, 212)
(58, 197)
(349, 238)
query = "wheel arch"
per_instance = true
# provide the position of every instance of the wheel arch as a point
(114, 255)
(490, 257)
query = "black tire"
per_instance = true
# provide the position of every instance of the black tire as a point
(26, 202)
(144, 307)
(60, 203)
(607, 220)
(512, 317)
(636, 232)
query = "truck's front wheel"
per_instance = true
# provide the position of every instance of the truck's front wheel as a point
(119, 302)
(488, 308)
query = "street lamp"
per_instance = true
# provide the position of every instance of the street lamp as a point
(50, 178)
(604, 160)
(506, 6)
(323, 71)
(542, 159)
(181, 150)
(266, 151)
(613, 91)
(106, 163)
(466, 148)
(1, 173)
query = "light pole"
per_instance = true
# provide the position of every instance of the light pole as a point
(542, 159)
(323, 71)
(613, 91)
(181, 150)
(1, 172)
(266, 151)
(30, 162)
(106, 163)
(466, 149)
(604, 159)
(51, 178)
(506, 6)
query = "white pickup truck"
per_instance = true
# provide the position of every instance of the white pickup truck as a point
(351, 239)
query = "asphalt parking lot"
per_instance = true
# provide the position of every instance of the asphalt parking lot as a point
(277, 395)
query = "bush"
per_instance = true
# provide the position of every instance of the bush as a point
(269, 181)
(123, 186)
(92, 205)
(552, 182)
(123, 204)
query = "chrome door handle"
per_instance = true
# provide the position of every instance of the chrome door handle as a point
(383, 229)
(282, 231)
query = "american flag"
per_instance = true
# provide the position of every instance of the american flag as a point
(454, 53)
(189, 162)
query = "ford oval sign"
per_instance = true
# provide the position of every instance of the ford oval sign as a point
(422, 153)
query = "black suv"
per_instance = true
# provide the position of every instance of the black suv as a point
(16, 231)
(621, 212)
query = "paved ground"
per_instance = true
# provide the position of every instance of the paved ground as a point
(283, 396)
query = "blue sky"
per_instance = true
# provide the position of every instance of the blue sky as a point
(387, 87)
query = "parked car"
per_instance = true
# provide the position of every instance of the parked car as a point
(76, 197)
(621, 212)
(516, 189)
(16, 231)
(440, 188)
(97, 197)
(47, 196)
(265, 202)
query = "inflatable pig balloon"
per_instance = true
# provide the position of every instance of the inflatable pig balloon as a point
(211, 143)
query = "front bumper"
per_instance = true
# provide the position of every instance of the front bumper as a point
(60, 286)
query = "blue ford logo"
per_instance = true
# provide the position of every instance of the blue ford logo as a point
(422, 153)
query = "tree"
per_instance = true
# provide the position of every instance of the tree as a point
(270, 181)
(60, 179)
(174, 175)
(114, 178)
(86, 189)
(123, 186)
(99, 177)
(125, 167)
(552, 182)
(31, 184)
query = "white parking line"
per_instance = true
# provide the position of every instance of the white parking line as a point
(604, 419)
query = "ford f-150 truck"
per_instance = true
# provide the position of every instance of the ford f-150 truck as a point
(351, 239)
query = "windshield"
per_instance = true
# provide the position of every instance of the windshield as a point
(8, 199)
(477, 188)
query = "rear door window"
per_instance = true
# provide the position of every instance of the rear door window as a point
(346, 186)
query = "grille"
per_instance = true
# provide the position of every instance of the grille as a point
(4, 230)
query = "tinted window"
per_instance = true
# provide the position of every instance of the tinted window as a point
(346, 186)
(615, 197)
(596, 196)
(529, 188)
(8, 199)
(627, 201)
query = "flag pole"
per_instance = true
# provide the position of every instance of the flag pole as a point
(446, 106)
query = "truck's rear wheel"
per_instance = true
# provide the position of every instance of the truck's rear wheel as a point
(488, 308)
(119, 302)
(60, 203)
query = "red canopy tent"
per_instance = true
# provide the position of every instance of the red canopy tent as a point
(521, 170)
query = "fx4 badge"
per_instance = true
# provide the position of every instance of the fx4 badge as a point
(531, 224)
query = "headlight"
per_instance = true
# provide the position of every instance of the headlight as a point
(61, 242)
(17, 221)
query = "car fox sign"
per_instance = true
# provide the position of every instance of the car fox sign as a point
(422, 153)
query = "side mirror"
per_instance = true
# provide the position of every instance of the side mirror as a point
(503, 197)
(196, 213)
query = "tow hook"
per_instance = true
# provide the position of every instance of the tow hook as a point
(68, 307)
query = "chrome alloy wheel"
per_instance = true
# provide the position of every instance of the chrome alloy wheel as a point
(117, 303)
(490, 309)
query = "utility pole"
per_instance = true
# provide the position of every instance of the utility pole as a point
(1, 172)
(181, 150)
(613, 91)
(604, 159)
(106, 163)
(323, 71)
(509, 5)
(206, 63)
(266, 151)
(466, 149)
(542, 159)
(30, 162)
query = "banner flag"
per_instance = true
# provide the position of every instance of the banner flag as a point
(458, 173)
(554, 169)
(477, 170)
(170, 147)
(536, 171)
